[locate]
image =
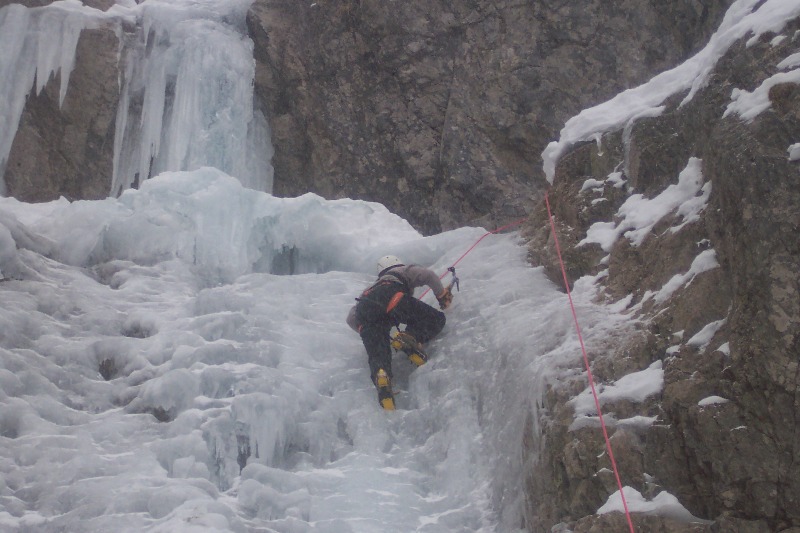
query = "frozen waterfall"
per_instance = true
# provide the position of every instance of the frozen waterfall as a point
(36, 44)
(186, 84)
(157, 375)
(187, 96)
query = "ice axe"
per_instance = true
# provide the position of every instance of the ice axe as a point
(453, 281)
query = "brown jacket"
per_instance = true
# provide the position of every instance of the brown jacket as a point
(414, 276)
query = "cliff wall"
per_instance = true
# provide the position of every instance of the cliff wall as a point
(439, 110)
(715, 294)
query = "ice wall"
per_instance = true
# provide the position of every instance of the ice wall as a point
(36, 44)
(154, 377)
(187, 96)
(186, 84)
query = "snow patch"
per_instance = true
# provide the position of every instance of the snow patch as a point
(705, 261)
(712, 400)
(794, 152)
(749, 104)
(616, 179)
(638, 215)
(702, 338)
(663, 504)
(591, 183)
(635, 387)
(792, 61)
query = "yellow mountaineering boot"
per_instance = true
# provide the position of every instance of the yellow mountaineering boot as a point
(384, 385)
(405, 342)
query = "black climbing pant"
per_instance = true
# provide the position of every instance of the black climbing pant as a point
(386, 305)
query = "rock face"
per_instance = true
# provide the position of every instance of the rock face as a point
(725, 439)
(440, 110)
(67, 150)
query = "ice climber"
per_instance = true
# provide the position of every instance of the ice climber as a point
(389, 303)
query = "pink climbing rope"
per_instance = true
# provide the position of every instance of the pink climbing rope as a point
(498, 230)
(588, 369)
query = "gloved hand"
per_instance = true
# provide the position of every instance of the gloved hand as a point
(445, 299)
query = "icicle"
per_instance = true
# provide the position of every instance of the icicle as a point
(188, 99)
(37, 43)
(186, 88)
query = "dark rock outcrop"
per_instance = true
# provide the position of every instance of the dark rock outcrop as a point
(728, 332)
(441, 110)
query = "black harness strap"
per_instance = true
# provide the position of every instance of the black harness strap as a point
(398, 283)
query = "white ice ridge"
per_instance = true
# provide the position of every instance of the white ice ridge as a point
(36, 44)
(744, 17)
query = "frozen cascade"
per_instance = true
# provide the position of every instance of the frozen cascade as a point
(187, 96)
(37, 44)
(187, 84)
(157, 376)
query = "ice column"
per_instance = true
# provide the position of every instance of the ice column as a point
(36, 44)
(187, 98)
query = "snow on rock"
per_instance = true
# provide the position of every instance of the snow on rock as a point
(635, 387)
(705, 261)
(712, 400)
(638, 214)
(702, 338)
(794, 152)
(592, 184)
(791, 62)
(744, 18)
(749, 104)
(663, 504)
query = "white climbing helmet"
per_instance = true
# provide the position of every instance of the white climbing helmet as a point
(387, 262)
